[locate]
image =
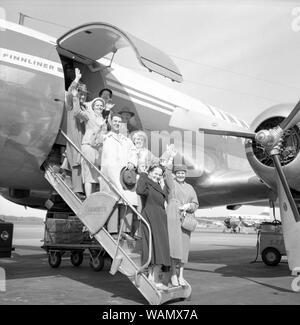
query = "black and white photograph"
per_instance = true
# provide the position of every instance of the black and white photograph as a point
(149, 155)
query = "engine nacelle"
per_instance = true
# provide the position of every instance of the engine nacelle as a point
(261, 161)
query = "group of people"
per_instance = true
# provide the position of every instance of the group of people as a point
(154, 186)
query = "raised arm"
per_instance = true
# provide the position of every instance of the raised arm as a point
(80, 114)
(166, 160)
(72, 90)
(169, 181)
(142, 187)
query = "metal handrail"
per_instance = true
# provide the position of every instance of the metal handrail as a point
(115, 189)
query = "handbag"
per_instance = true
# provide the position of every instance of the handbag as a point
(189, 221)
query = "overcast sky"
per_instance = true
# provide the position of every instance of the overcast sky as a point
(241, 56)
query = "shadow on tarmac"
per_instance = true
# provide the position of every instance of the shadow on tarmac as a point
(236, 263)
(36, 265)
(241, 266)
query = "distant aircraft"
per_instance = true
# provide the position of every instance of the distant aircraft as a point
(35, 71)
(238, 222)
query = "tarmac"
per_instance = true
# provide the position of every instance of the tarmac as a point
(219, 270)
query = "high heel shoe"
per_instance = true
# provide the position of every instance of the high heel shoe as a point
(174, 281)
(161, 286)
(181, 282)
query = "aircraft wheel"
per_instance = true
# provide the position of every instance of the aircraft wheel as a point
(271, 256)
(76, 258)
(97, 263)
(54, 259)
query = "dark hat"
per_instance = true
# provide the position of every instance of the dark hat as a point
(180, 168)
(106, 89)
(128, 179)
(126, 110)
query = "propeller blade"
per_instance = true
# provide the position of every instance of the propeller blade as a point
(283, 184)
(290, 120)
(290, 225)
(239, 134)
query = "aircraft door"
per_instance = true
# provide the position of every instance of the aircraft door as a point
(94, 41)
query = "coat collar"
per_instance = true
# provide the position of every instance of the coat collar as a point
(157, 186)
(119, 137)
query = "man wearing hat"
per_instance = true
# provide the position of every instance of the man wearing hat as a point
(128, 119)
(106, 94)
(75, 99)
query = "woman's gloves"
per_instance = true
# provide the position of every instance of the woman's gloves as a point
(185, 207)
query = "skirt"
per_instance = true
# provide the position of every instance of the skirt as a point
(89, 174)
(179, 238)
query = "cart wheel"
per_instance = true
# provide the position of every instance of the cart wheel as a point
(97, 263)
(271, 256)
(107, 262)
(76, 258)
(54, 259)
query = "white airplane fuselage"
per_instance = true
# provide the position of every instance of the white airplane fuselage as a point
(32, 91)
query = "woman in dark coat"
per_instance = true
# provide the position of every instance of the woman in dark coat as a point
(153, 210)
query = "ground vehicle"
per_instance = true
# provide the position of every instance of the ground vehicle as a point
(271, 243)
(6, 237)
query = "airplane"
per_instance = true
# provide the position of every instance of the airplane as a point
(237, 160)
(237, 222)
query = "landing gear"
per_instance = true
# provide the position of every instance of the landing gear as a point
(54, 259)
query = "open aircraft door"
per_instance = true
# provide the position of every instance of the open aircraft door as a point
(91, 42)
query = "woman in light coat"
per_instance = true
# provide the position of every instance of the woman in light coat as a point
(94, 123)
(181, 198)
(145, 156)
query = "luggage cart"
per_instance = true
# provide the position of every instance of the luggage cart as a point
(271, 242)
(98, 256)
(57, 243)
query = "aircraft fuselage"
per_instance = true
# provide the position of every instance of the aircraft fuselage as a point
(32, 90)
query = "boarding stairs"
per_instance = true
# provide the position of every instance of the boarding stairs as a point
(124, 250)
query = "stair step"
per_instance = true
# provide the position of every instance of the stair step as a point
(137, 258)
(134, 255)
(176, 293)
(128, 258)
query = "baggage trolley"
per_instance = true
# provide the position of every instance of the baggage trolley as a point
(64, 233)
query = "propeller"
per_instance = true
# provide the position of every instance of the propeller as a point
(290, 121)
(271, 140)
